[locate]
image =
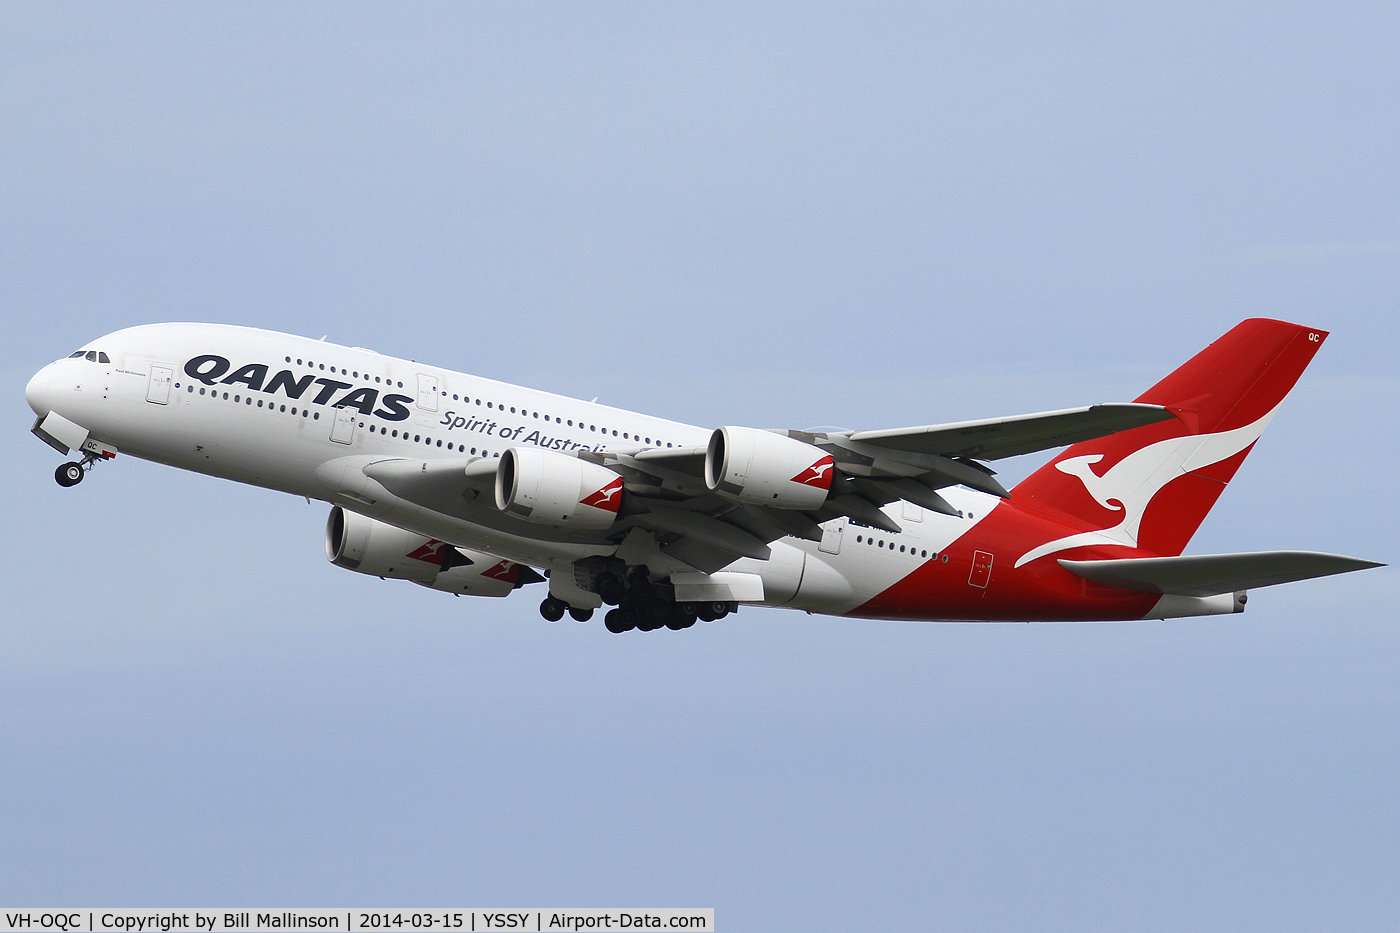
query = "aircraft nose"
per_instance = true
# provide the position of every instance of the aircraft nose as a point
(38, 393)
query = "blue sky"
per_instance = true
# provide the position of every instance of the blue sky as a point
(751, 214)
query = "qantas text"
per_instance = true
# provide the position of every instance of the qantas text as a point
(209, 368)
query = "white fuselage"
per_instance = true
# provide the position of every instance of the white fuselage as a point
(302, 416)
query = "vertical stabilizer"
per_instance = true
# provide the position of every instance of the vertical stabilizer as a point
(1151, 487)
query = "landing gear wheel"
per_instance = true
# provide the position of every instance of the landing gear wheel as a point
(70, 474)
(610, 588)
(580, 615)
(552, 609)
(617, 621)
(646, 622)
(655, 612)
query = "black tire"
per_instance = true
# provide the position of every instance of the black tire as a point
(656, 610)
(552, 609)
(648, 620)
(69, 474)
(580, 615)
(718, 610)
(610, 588)
(617, 622)
(705, 613)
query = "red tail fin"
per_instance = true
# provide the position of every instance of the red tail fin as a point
(1152, 486)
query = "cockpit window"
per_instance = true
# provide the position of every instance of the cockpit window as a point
(75, 355)
(103, 358)
(91, 356)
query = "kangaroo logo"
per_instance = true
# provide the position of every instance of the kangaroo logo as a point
(429, 552)
(1130, 484)
(505, 571)
(818, 474)
(607, 498)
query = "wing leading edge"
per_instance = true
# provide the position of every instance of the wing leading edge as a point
(996, 438)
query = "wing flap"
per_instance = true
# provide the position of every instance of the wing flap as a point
(1213, 574)
(995, 438)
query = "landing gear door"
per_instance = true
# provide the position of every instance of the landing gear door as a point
(158, 389)
(343, 431)
(832, 533)
(427, 392)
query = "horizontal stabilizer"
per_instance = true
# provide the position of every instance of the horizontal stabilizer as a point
(995, 438)
(1213, 574)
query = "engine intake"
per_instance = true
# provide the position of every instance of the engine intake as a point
(550, 488)
(763, 468)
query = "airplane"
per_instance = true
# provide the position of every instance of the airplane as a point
(472, 486)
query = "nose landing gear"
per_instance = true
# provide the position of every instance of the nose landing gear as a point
(72, 473)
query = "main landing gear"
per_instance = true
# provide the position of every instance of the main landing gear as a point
(640, 604)
(645, 607)
(553, 610)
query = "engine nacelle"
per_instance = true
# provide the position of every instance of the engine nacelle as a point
(365, 545)
(762, 468)
(550, 488)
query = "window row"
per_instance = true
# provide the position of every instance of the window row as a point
(913, 551)
(456, 397)
(248, 400)
(568, 422)
(342, 371)
(424, 439)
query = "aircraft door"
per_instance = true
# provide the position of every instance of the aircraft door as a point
(981, 573)
(832, 533)
(427, 392)
(158, 389)
(343, 431)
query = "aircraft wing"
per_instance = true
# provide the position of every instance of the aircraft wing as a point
(995, 438)
(1213, 574)
(670, 512)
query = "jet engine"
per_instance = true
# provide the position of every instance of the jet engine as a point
(365, 545)
(762, 468)
(550, 488)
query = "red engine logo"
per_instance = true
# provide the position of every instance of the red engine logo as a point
(818, 474)
(505, 571)
(429, 553)
(609, 498)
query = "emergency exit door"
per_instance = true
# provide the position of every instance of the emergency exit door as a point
(832, 533)
(343, 431)
(158, 389)
(428, 392)
(981, 569)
